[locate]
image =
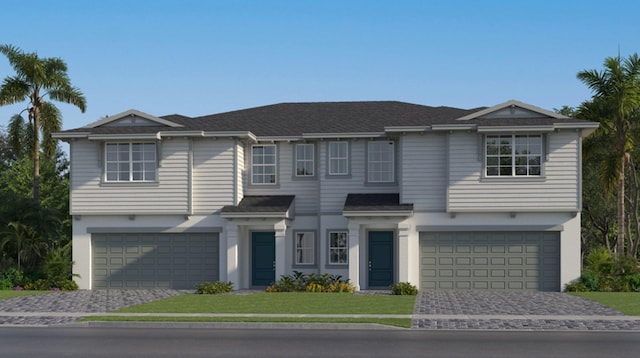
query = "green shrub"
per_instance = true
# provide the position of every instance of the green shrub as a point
(212, 288)
(300, 282)
(576, 286)
(14, 275)
(591, 280)
(404, 289)
(600, 261)
(6, 284)
(633, 281)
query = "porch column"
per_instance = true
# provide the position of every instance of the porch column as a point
(404, 253)
(230, 267)
(280, 229)
(354, 254)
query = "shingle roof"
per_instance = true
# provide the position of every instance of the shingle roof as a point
(375, 202)
(261, 204)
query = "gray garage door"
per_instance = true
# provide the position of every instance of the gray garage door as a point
(177, 261)
(490, 261)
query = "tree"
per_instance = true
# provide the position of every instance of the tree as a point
(615, 100)
(36, 80)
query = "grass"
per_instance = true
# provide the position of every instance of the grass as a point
(285, 302)
(396, 322)
(625, 302)
(4, 294)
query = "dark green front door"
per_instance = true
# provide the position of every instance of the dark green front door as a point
(380, 258)
(263, 258)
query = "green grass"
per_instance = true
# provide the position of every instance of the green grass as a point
(286, 302)
(4, 294)
(625, 302)
(396, 322)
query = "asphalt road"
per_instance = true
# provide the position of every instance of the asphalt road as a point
(165, 342)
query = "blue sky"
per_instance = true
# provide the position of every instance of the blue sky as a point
(202, 57)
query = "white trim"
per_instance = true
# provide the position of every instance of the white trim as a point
(512, 103)
(343, 135)
(132, 112)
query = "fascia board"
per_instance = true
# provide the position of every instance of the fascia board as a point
(497, 129)
(343, 135)
(397, 213)
(154, 136)
(132, 112)
(407, 129)
(73, 135)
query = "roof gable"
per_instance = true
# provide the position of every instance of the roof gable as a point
(132, 118)
(512, 110)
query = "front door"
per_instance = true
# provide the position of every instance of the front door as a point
(380, 258)
(263, 258)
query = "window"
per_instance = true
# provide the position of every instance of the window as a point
(380, 162)
(305, 248)
(338, 158)
(513, 155)
(338, 249)
(305, 166)
(127, 162)
(263, 164)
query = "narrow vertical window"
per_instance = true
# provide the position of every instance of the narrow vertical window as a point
(263, 164)
(380, 162)
(338, 250)
(305, 160)
(338, 158)
(305, 248)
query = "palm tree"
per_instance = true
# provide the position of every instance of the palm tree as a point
(616, 98)
(36, 79)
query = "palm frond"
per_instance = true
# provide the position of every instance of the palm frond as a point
(17, 132)
(13, 90)
(50, 122)
(69, 94)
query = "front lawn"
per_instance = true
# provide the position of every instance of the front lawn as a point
(625, 302)
(285, 303)
(4, 294)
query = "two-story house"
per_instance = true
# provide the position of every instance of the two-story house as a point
(378, 192)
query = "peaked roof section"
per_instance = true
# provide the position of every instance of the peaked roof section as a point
(132, 114)
(512, 105)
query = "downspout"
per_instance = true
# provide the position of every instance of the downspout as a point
(190, 177)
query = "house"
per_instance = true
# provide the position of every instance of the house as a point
(377, 192)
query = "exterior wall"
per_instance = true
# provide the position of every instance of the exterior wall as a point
(556, 190)
(90, 195)
(213, 182)
(423, 168)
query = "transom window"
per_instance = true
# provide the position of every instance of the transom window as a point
(305, 163)
(125, 162)
(305, 248)
(263, 164)
(513, 155)
(338, 250)
(338, 158)
(380, 167)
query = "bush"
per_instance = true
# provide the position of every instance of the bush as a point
(600, 261)
(14, 275)
(213, 288)
(591, 280)
(576, 286)
(300, 282)
(404, 289)
(6, 284)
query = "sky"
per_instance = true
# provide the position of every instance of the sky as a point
(203, 57)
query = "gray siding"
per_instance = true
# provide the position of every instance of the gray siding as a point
(90, 196)
(556, 190)
(213, 181)
(424, 171)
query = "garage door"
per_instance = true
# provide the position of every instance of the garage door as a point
(490, 261)
(177, 261)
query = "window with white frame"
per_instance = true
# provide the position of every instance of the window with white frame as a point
(305, 160)
(263, 164)
(380, 162)
(513, 155)
(130, 162)
(338, 158)
(305, 248)
(338, 250)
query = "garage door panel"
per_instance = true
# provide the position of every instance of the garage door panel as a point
(490, 260)
(176, 261)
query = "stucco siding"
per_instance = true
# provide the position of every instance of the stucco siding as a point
(556, 190)
(90, 195)
(424, 171)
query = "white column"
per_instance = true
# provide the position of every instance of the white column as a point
(81, 255)
(231, 265)
(405, 254)
(280, 229)
(354, 254)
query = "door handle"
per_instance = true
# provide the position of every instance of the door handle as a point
(274, 265)
(369, 266)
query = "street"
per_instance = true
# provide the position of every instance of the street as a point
(202, 342)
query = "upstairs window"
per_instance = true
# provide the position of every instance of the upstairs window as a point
(380, 162)
(305, 160)
(338, 158)
(263, 164)
(130, 162)
(513, 155)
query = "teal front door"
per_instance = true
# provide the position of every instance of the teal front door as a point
(380, 258)
(263, 258)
